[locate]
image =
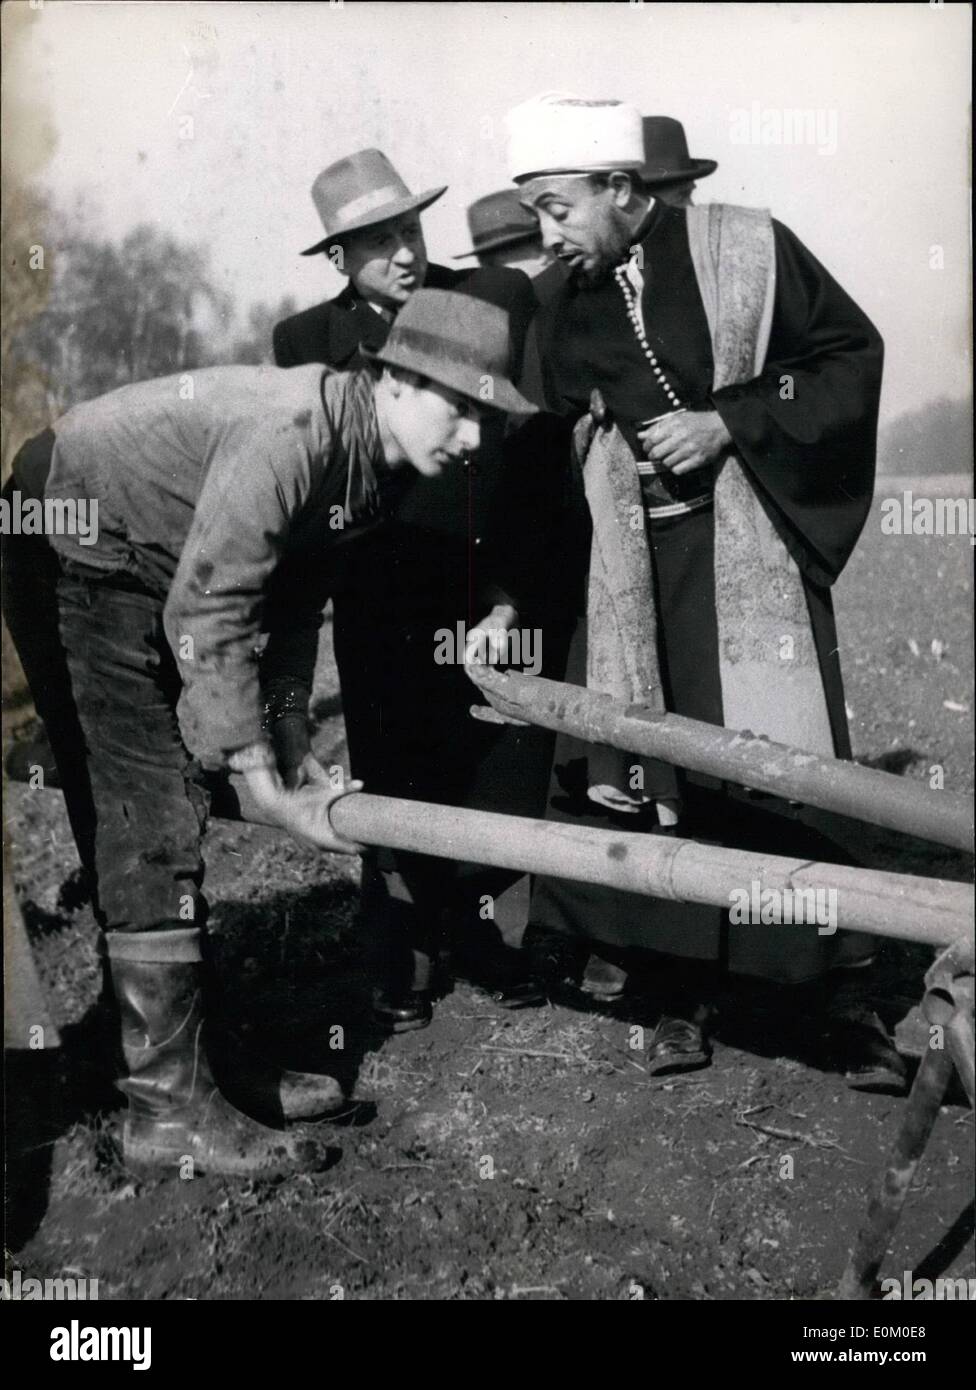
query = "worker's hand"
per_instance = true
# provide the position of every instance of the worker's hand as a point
(486, 643)
(686, 440)
(305, 814)
(304, 811)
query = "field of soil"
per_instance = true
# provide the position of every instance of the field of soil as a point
(511, 1155)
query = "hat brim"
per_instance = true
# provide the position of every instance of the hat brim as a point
(695, 169)
(497, 242)
(456, 376)
(396, 208)
(626, 166)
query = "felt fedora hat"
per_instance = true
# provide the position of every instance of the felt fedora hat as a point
(666, 157)
(499, 219)
(360, 190)
(458, 341)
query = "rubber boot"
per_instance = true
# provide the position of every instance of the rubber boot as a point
(273, 1094)
(178, 1119)
(253, 1082)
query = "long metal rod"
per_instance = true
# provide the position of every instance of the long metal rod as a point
(886, 904)
(904, 906)
(736, 756)
(948, 1003)
(885, 1207)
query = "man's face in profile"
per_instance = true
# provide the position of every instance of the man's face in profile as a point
(582, 223)
(433, 425)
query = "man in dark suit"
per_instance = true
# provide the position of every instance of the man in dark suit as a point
(450, 556)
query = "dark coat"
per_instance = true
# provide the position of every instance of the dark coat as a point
(333, 332)
(461, 505)
(811, 456)
(452, 549)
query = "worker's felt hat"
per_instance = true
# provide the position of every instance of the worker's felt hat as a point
(359, 191)
(458, 341)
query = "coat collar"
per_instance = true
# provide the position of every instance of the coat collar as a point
(359, 325)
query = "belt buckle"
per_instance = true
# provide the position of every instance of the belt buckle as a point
(646, 424)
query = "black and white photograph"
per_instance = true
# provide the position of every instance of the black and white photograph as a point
(487, 585)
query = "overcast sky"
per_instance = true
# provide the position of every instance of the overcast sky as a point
(276, 91)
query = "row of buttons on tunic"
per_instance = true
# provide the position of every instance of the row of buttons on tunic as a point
(630, 299)
(648, 468)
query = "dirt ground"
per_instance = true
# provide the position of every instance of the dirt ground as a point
(511, 1155)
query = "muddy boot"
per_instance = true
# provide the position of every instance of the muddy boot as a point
(176, 1111)
(269, 1092)
(257, 1084)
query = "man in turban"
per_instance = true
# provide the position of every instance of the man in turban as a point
(726, 391)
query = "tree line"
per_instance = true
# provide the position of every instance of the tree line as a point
(83, 314)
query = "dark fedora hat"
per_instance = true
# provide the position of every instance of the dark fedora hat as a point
(499, 219)
(458, 341)
(666, 157)
(360, 190)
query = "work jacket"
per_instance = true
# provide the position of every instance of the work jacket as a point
(225, 492)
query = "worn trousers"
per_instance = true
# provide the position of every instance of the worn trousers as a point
(105, 683)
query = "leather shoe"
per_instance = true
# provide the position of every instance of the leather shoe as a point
(678, 1045)
(402, 1013)
(552, 957)
(603, 980)
(526, 993)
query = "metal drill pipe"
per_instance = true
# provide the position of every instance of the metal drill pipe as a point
(736, 756)
(918, 1120)
(948, 1003)
(905, 906)
(871, 900)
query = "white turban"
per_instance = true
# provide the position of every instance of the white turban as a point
(556, 131)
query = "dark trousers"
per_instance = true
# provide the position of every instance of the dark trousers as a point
(411, 735)
(106, 684)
